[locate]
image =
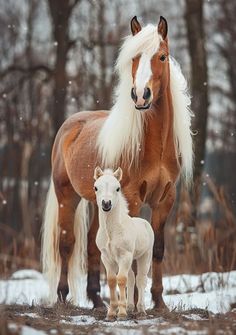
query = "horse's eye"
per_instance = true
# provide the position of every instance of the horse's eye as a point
(162, 58)
(118, 189)
(95, 188)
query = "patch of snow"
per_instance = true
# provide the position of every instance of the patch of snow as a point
(31, 315)
(212, 291)
(81, 320)
(218, 301)
(27, 274)
(26, 330)
(181, 331)
(12, 327)
(23, 291)
(194, 317)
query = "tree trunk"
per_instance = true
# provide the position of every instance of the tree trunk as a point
(196, 36)
(60, 13)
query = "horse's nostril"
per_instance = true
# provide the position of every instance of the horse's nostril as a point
(133, 94)
(147, 93)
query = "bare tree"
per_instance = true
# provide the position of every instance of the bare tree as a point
(61, 12)
(199, 80)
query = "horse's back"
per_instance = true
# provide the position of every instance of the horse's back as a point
(74, 151)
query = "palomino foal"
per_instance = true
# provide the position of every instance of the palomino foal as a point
(121, 239)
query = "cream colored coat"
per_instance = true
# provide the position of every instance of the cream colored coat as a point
(121, 239)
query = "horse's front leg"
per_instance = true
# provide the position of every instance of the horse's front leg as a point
(93, 281)
(68, 201)
(159, 217)
(124, 266)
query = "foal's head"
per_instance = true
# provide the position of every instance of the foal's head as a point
(107, 188)
(150, 67)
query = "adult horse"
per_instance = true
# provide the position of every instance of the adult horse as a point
(147, 133)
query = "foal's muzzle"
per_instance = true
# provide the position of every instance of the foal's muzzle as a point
(106, 205)
(142, 102)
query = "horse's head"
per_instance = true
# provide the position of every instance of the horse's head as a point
(107, 188)
(150, 66)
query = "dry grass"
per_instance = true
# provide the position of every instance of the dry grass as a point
(206, 244)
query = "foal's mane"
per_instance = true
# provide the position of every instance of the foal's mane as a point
(122, 132)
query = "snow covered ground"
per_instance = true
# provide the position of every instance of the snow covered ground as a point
(212, 291)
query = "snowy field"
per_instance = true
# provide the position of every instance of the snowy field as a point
(194, 296)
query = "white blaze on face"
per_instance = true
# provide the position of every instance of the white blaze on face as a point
(143, 76)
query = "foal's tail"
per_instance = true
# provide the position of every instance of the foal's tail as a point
(50, 256)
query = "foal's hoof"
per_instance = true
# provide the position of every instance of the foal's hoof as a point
(110, 318)
(130, 308)
(141, 315)
(122, 317)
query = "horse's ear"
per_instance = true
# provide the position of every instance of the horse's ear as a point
(135, 25)
(97, 173)
(163, 27)
(118, 174)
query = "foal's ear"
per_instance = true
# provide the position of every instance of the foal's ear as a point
(118, 174)
(97, 173)
(135, 25)
(163, 27)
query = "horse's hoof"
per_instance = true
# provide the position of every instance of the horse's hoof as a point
(161, 307)
(62, 292)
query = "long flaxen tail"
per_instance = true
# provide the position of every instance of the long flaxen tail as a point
(50, 256)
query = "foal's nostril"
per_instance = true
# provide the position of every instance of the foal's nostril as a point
(147, 93)
(106, 205)
(133, 94)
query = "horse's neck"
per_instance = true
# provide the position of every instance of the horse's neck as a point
(161, 119)
(114, 221)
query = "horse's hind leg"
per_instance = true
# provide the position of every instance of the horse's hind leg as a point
(93, 281)
(67, 204)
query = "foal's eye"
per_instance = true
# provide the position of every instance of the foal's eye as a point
(162, 58)
(95, 188)
(118, 189)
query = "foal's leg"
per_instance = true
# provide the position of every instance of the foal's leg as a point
(124, 266)
(68, 201)
(143, 265)
(93, 281)
(112, 283)
(130, 291)
(159, 217)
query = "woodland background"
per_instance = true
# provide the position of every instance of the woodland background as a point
(57, 57)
